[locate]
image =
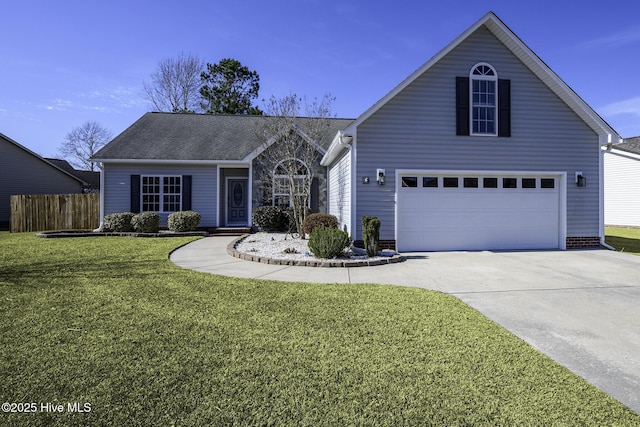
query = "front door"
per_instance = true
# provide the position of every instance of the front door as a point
(237, 201)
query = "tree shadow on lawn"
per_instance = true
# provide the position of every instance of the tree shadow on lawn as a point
(51, 270)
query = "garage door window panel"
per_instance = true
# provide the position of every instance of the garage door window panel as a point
(430, 182)
(489, 182)
(528, 183)
(509, 182)
(450, 182)
(410, 181)
(547, 183)
(470, 182)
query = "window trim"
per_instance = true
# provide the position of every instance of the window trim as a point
(493, 77)
(161, 193)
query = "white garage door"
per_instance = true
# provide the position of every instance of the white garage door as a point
(437, 212)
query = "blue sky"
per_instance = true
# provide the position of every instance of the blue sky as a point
(64, 63)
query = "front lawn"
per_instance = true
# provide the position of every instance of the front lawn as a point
(113, 323)
(623, 239)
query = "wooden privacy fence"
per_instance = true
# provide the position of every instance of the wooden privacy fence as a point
(43, 212)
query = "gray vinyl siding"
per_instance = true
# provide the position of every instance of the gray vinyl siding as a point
(117, 188)
(416, 130)
(21, 172)
(340, 190)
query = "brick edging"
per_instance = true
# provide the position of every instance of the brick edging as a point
(231, 250)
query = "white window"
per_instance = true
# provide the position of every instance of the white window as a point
(484, 100)
(161, 193)
(291, 177)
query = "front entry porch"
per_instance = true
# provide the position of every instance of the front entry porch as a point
(235, 209)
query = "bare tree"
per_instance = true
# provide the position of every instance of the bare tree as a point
(83, 142)
(175, 85)
(290, 159)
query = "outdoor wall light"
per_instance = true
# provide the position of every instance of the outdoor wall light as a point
(380, 176)
(365, 179)
(581, 181)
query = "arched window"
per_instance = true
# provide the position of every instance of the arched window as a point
(484, 99)
(291, 178)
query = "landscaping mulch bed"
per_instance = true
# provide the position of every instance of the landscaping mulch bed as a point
(282, 249)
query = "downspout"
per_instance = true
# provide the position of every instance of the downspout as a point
(346, 141)
(102, 189)
(602, 201)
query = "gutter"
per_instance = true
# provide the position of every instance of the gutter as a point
(340, 142)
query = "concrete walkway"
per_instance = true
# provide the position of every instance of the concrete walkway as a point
(581, 308)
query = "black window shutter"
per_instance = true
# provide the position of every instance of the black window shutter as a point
(462, 105)
(135, 193)
(315, 195)
(186, 192)
(504, 107)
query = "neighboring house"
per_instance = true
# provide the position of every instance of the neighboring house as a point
(92, 179)
(167, 162)
(483, 147)
(24, 172)
(622, 183)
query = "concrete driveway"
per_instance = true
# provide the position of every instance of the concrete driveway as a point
(581, 308)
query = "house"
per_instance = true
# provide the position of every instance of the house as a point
(482, 148)
(91, 178)
(167, 162)
(24, 172)
(622, 183)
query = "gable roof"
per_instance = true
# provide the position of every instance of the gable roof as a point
(40, 158)
(512, 42)
(92, 179)
(194, 137)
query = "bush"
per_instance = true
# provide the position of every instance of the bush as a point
(269, 218)
(371, 234)
(326, 242)
(184, 221)
(118, 222)
(146, 222)
(319, 219)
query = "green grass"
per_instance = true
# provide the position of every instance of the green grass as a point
(623, 239)
(112, 322)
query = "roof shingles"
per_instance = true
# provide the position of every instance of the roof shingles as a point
(182, 137)
(631, 145)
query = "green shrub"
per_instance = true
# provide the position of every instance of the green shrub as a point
(371, 234)
(146, 222)
(118, 222)
(319, 219)
(269, 218)
(326, 242)
(184, 221)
